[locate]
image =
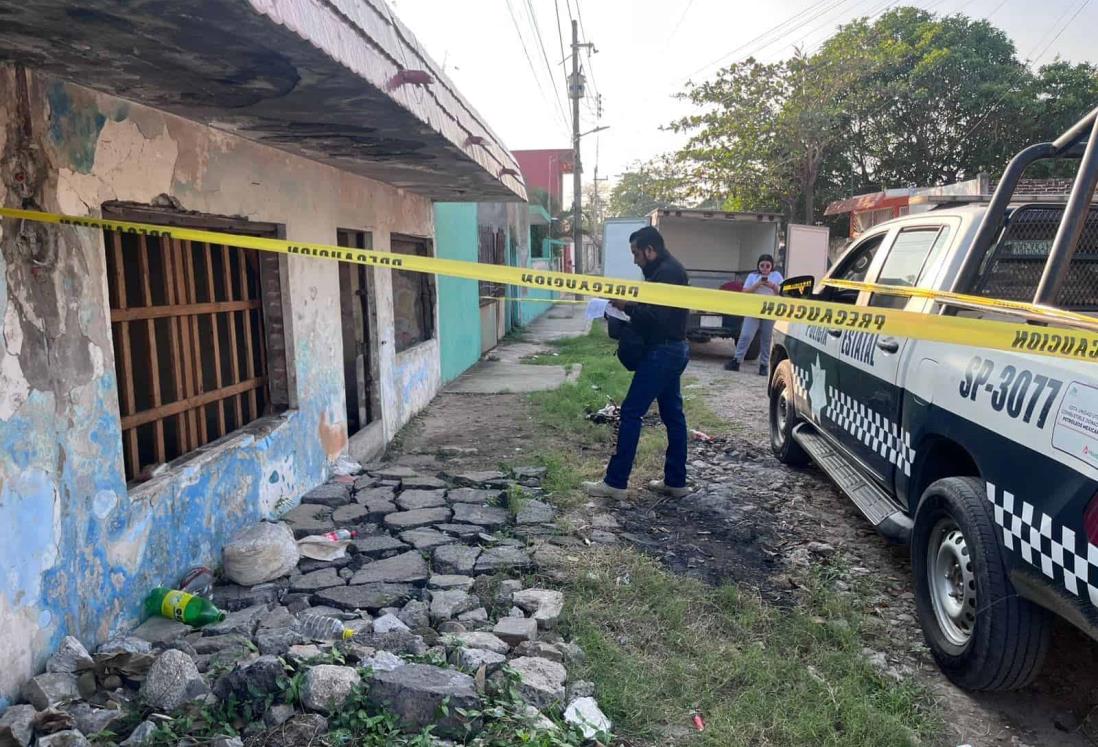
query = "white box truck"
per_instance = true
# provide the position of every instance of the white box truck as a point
(715, 247)
(617, 260)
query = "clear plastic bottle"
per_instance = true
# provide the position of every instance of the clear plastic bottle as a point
(322, 628)
(340, 534)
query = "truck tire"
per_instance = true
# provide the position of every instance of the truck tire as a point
(982, 634)
(783, 417)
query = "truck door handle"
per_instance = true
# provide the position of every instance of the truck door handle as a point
(835, 332)
(889, 344)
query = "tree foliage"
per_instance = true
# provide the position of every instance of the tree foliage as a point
(661, 182)
(907, 99)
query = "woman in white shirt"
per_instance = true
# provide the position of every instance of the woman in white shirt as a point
(765, 281)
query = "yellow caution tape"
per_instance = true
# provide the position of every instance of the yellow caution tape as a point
(1071, 344)
(1045, 313)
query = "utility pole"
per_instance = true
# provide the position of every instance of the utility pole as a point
(575, 92)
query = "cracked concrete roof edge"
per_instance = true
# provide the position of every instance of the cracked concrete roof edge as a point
(332, 26)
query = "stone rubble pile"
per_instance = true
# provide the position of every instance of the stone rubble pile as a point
(440, 626)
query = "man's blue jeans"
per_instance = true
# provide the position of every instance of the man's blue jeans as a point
(657, 378)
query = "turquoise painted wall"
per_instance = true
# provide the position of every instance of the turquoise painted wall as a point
(458, 299)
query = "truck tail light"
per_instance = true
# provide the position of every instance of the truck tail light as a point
(1090, 520)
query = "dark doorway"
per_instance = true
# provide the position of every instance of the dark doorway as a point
(358, 325)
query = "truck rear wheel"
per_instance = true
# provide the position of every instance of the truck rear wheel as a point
(783, 417)
(981, 633)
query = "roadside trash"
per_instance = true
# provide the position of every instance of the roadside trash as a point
(609, 414)
(699, 436)
(340, 534)
(260, 553)
(322, 628)
(330, 546)
(198, 581)
(182, 607)
(699, 723)
(344, 466)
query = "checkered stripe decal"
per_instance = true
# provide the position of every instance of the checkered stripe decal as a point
(879, 433)
(1052, 548)
(800, 382)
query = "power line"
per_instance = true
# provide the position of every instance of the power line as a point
(679, 22)
(529, 61)
(1031, 61)
(560, 36)
(764, 34)
(545, 57)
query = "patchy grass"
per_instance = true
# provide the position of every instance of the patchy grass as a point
(660, 646)
(575, 449)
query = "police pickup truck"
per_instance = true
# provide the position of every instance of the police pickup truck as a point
(986, 462)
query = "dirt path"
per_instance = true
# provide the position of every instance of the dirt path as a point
(1053, 711)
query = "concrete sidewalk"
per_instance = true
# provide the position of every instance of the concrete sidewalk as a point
(502, 370)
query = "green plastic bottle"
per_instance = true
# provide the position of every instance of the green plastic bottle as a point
(182, 607)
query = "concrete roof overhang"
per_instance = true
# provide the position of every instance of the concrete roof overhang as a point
(317, 78)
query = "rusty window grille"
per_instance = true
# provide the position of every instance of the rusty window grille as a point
(413, 297)
(190, 347)
(491, 248)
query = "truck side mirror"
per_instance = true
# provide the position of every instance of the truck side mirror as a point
(798, 287)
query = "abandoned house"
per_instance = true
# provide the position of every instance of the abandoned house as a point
(156, 395)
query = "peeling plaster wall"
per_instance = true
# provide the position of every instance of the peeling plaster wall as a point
(78, 551)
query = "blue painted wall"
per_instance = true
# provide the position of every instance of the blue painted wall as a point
(458, 299)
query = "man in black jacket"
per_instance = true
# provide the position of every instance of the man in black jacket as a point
(657, 377)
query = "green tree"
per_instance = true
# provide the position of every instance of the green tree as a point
(660, 182)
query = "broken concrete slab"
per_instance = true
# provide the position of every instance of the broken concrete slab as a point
(515, 630)
(479, 639)
(426, 538)
(161, 630)
(415, 693)
(535, 512)
(394, 472)
(309, 518)
(389, 622)
(461, 531)
(408, 568)
(331, 494)
(351, 514)
(232, 597)
(370, 597)
(479, 479)
(541, 682)
(485, 516)
(472, 659)
(450, 581)
(446, 604)
(474, 495)
(412, 500)
(455, 559)
(379, 546)
(172, 681)
(17, 726)
(365, 482)
(322, 579)
(418, 518)
(585, 714)
(422, 482)
(546, 605)
(327, 687)
(501, 559)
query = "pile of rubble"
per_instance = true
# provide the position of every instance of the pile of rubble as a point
(435, 636)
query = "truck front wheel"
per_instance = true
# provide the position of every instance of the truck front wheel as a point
(981, 633)
(783, 417)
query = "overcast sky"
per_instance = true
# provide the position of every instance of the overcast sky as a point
(647, 49)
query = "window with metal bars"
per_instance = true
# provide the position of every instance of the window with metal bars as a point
(413, 297)
(491, 251)
(190, 343)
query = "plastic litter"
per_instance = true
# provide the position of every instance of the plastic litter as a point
(182, 607)
(198, 581)
(699, 722)
(700, 436)
(340, 534)
(344, 465)
(323, 547)
(322, 628)
(260, 553)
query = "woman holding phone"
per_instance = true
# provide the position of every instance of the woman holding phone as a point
(768, 282)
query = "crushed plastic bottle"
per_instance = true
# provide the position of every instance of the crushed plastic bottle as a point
(182, 607)
(322, 628)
